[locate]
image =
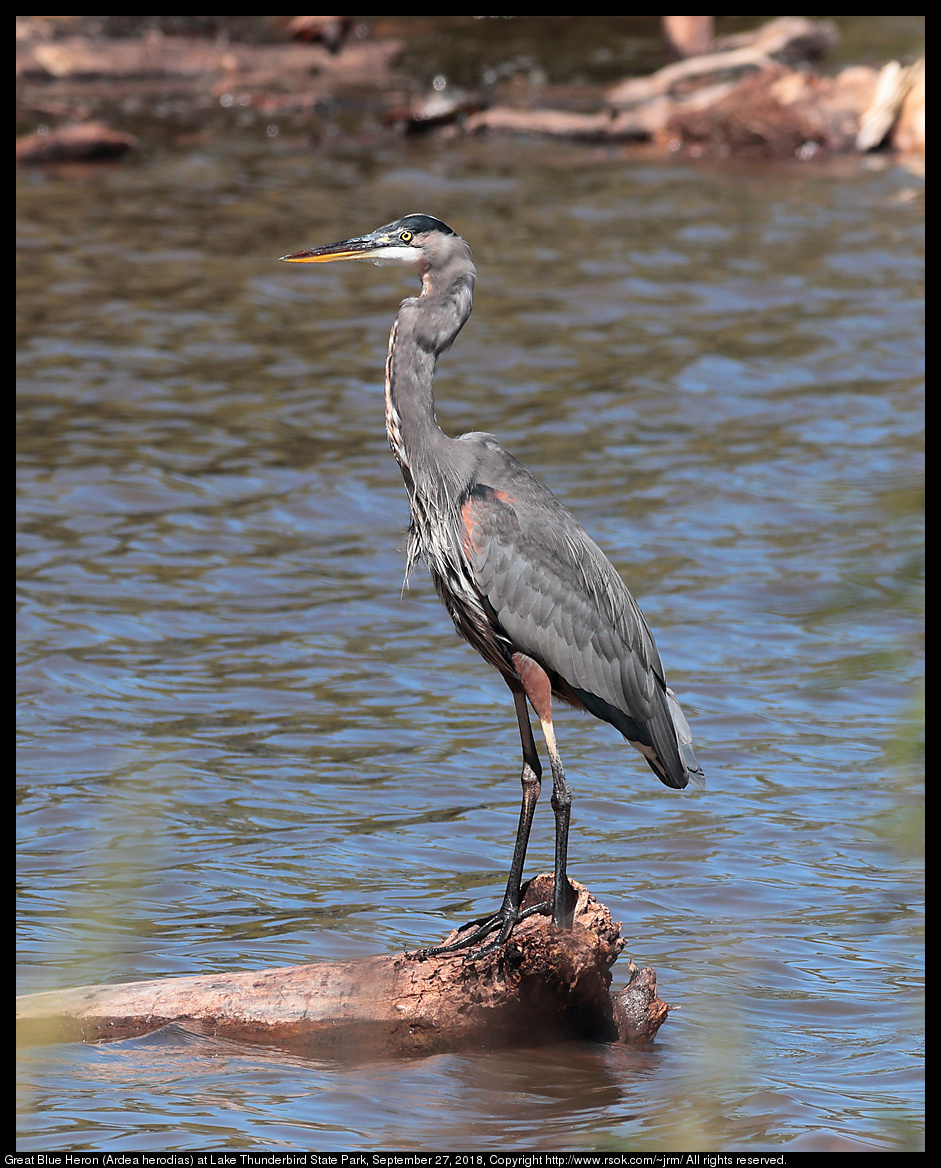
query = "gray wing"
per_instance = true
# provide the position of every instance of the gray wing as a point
(556, 598)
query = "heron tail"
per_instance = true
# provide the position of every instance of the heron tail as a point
(684, 739)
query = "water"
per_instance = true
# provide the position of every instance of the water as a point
(242, 746)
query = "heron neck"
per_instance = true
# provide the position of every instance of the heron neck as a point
(425, 327)
(411, 424)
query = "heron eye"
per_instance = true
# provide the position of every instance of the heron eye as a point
(406, 237)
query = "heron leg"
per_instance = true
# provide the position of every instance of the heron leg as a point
(531, 779)
(538, 689)
(562, 809)
(509, 912)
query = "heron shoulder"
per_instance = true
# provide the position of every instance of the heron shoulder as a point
(523, 541)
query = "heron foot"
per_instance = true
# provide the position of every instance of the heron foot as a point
(504, 920)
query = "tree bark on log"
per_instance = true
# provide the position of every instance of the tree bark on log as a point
(544, 984)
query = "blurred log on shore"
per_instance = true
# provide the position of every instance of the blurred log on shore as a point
(744, 96)
(279, 66)
(753, 94)
(544, 985)
(73, 142)
(63, 75)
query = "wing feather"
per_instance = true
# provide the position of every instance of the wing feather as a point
(557, 598)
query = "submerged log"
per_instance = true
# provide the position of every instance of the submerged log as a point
(82, 142)
(544, 984)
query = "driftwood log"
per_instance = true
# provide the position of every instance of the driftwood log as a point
(83, 58)
(544, 984)
(744, 96)
(80, 142)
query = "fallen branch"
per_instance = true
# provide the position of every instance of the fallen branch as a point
(781, 39)
(599, 127)
(544, 984)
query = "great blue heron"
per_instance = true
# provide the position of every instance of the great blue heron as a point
(522, 580)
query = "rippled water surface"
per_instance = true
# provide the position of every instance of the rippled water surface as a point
(242, 746)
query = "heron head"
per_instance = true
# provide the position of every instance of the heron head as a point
(410, 240)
